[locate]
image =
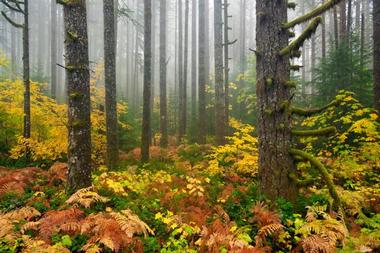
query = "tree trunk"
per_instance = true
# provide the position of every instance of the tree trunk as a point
(357, 16)
(110, 83)
(274, 133)
(242, 52)
(336, 31)
(202, 72)
(349, 21)
(342, 21)
(26, 76)
(78, 91)
(323, 34)
(163, 66)
(181, 124)
(183, 97)
(376, 54)
(53, 49)
(219, 84)
(193, 69)
(226, 67)
(13, 49)
(146, 122)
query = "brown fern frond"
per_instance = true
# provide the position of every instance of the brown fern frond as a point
(32, 225)
(26, 213)
(86, 197)
(222, 214)
(266, 231)
(53, 220)
(70, 227)
(317, 244)
(131, 224)
(263, 216)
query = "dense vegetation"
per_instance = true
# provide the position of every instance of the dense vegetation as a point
(258, 158)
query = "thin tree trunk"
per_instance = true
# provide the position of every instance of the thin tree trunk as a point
(349, 22)
(202, 71)
(78, 88)
(323, 35)
(183, 114)
(275, 162)
(193, 69)
(219, 84)
(163, 66)
(336, 31)
(26, 76)
(242, 52)
(181, 124)
(146, 122)
(342, 21)
(110, 83)
(376, 54)
(53, 48)
(226, 65)
(13, 49)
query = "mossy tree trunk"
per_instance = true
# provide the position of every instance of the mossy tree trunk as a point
(78, 91)
(146, 122)
(273, 72)
(53, 48)
(26, 76)
(110, 83)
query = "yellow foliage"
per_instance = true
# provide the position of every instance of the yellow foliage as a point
(240, 154)
(49, 122)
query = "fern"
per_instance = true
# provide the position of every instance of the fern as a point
(131, 224)
(86, 197)
(268, 230)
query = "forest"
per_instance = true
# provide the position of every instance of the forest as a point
(185, 126)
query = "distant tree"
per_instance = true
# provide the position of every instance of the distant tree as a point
(376, 53)
(163, 78)
(219, 83)
(342, 69)
(110, 83)
(146, 121)
(53, 49)
(193, 70)
(78, 91)
(183, 96)
(202, 72)
(15, 6)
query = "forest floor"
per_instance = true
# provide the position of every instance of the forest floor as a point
(172, 204)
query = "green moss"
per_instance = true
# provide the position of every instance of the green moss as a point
(317, 132)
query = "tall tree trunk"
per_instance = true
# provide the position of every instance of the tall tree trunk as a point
(193, 69)
(376, 54)
(363, 38)
(163, 66)
(146, 122)
(202, 71)
(13, 49)
(110, 83)
(181, 124)
(357, 15)
(78, 89)
(349, 21)
(336, 30)
(41, 39)
(183, 97)
(342, 21)
(53, 49)
(26, 76)
(219, 84)
(275, 162)
(153, 85)
(226, 66)
(323, 46)
(242, 51)
(313, 57)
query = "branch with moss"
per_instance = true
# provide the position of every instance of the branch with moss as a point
(314, 13)
(296, 44)
(324, 173)
(311, 112)
(316, 132)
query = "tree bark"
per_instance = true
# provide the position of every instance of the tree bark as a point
(110, 83)
(275, 162)
(202, 72)
(163, 67)
(78, 91)
(376, 54)
(26, 76)
(226, 67)
(193, 69)
(13, 49)
(53, 49)
(242, 51)
(323, 46)
(342, 21)
(183, 98)
(219, 84)
(146, 122)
